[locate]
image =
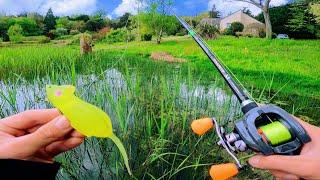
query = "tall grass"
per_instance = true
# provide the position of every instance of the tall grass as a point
(151, 109)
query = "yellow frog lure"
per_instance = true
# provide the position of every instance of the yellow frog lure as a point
(84, 117)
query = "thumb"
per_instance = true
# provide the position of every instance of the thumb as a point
(289, 164)
(45, 135)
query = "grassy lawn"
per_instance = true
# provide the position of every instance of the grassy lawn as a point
(151, 104)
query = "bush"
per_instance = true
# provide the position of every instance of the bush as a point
(15, 33)
(208, 31)
(74, 32)
(101, 34)
(146, 37)
(44, 39)
(235, 27)
(60, 32)
(119, 35)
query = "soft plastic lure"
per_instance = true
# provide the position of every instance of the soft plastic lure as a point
(84, 117)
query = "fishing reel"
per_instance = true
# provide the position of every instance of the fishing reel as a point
(267, 129)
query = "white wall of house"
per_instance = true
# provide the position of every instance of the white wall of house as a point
(238, 16)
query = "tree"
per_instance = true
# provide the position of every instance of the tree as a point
(214, 13)
(302, 23)
(156, 21)
(15, 33)
(315, 9)
(264, 6)
(49, 22)
(247, 12)
(278, 20)
(29, 26)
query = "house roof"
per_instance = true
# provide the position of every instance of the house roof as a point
(243, 14)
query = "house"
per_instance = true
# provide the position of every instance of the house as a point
(211, 21)
(251, 25)
(237, 16)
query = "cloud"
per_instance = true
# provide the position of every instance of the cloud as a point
(68, 7)
(229, 6)
(129, 6)
(59, 7)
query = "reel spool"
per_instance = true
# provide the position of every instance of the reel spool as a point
(266, 129)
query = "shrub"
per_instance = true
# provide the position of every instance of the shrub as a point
(43, 40)
(74, 32)
(61, 32)
(101, 34)
(15, 33)
(146, 37)
(208, 31)
(235, 27)
(119, 35)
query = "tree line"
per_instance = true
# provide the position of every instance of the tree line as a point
(298, 20)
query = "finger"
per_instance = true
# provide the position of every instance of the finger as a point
(47, 134)
(29, 119)
(77, 134)
(290, 164)
(62, 146)
(283, 175)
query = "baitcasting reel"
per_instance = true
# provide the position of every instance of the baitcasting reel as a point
(267, 129)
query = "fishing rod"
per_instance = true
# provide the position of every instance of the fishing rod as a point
(267, 129)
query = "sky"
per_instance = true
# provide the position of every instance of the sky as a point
(116, 8)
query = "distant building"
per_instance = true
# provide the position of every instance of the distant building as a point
(211, 21)
(251, 25)
(237, 16)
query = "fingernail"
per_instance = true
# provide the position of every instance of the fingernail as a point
(62, 123)
(254, 161)
(290, 177)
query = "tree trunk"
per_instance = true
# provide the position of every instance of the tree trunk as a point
(159, 37)
(268, 22)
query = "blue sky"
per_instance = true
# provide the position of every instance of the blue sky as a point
(115, 8)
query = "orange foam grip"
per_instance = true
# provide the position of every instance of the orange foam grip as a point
(223, 171)
(201, 126)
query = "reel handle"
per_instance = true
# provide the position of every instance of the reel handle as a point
(202, 126)
(223, 171)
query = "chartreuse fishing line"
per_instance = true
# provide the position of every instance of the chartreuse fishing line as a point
(266, 129)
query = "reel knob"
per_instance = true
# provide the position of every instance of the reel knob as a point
(201, 126)
(223, 171)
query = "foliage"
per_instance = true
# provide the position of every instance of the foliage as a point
(315, 10)
(44, 40)
(29, 26)
(157, 24)
(302, 23)
(94, 24)
(214, 13)
(81, 17)
(49, 21)
(60, 32)
(15, 33)
(146, 37)
(234, 28)
(119, 35)
(208, 31)
(123, 22)
(278, 20)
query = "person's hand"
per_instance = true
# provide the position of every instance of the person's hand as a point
(37, 135)
(306, 165)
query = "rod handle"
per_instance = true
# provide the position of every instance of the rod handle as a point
(201, 126)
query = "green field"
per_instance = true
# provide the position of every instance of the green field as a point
(152, 103)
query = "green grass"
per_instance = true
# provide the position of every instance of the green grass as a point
(152, 104)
